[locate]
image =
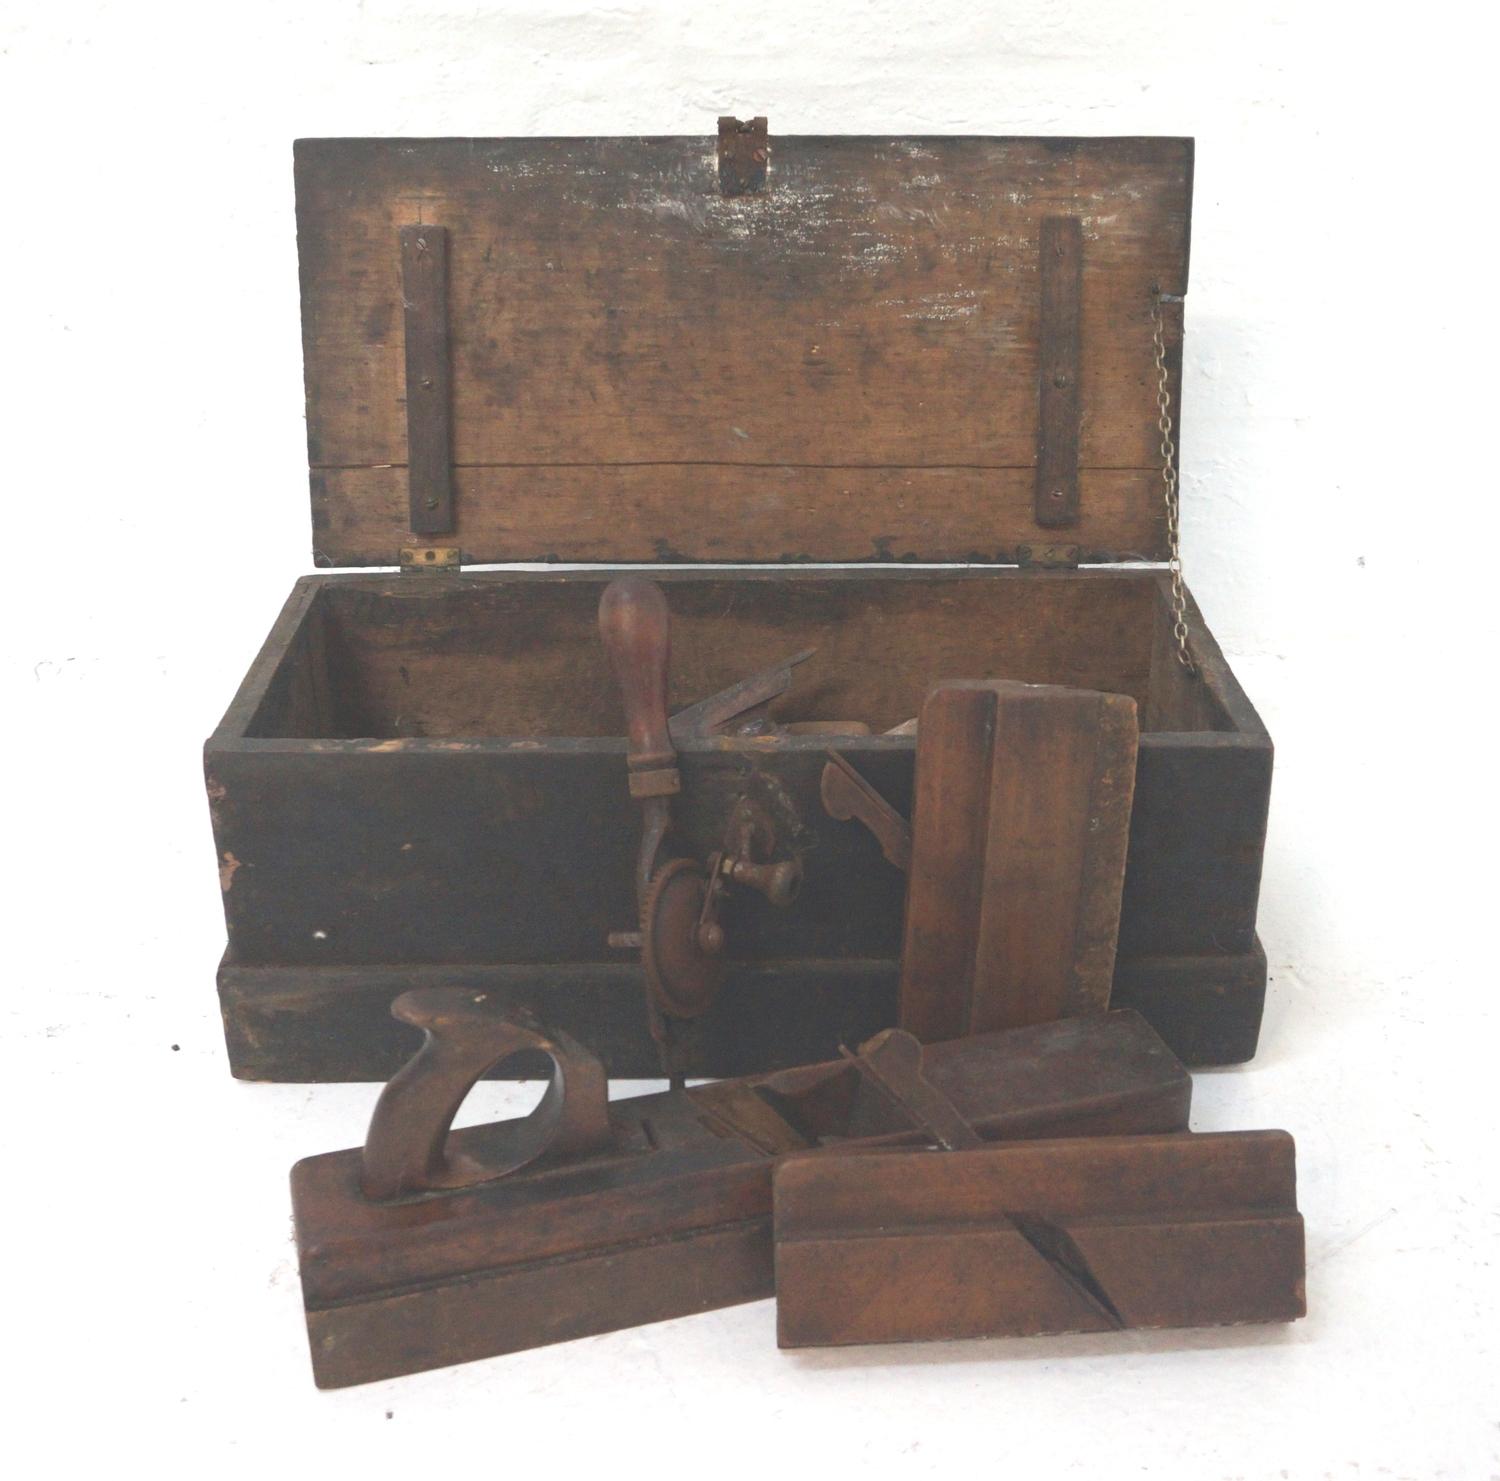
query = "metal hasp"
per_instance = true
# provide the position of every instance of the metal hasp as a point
(429, 395)
(744, 151)
(430, 1246)
(1093, 1234)
(1060, 270)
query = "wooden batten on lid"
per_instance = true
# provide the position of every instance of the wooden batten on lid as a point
(755, 349)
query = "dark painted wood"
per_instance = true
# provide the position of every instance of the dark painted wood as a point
(1083, 1235)
(422, 774)
(1207, 1007)
(412, 850)
(675, 1217)
(469, 851)
(429, 384)
(1197, 837)
(332, 1023)
(1059, 371)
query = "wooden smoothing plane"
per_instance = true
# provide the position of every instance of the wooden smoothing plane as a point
(430, 1246)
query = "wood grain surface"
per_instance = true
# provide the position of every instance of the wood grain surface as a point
(1019, 832)
(841, 366)
(1082, 1235)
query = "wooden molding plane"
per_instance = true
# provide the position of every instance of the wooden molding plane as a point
(1088, 1235)
(429, 1246)
(1020, 825)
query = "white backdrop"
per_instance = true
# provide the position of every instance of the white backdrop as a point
(1336, 514)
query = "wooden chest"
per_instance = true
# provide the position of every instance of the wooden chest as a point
(897, 400)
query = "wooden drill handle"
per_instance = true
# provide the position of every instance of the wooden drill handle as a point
(635, 626)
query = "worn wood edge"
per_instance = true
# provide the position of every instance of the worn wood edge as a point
(252, 996)
(1190, 171)
(552, 745)
(229, 736)
(1158, 147)
(388, 581)
(795, 1172)
(608, 745)
(1213, 669)
(1102, 875)
(834, 515)
(467, 1316)
(1207, 1008)
(292, 985)
(272, 654)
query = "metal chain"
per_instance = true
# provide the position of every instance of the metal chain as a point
(1169, 483)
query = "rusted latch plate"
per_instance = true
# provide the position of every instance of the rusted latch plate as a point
(416, 558)
(1060, 270)
(1048, 557)
(743, 152)
(429, 409)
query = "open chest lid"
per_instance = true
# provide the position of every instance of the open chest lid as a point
(742, 350)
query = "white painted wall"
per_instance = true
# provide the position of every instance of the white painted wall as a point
(1337, 514)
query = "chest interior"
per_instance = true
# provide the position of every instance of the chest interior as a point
(478, 657)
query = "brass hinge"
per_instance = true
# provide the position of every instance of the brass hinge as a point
(1047, 557)
(417, 559)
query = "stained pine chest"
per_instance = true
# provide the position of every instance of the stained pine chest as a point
(898, 400)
